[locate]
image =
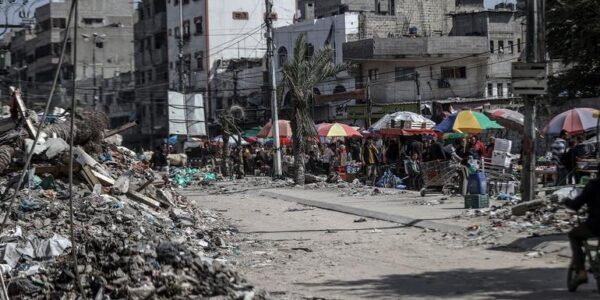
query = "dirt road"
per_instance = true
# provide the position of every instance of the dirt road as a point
(298, 252)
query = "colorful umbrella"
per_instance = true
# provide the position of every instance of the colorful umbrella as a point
(284, 141)
(252, 132)
(467, 122)
(508, 118)
(285, 129)
(575, 121)
(320, 125)
(338, 130)
(416, 121)
(232, 140)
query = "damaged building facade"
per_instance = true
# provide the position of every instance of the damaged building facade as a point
(104, 49)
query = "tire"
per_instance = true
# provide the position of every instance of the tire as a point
(571, 279)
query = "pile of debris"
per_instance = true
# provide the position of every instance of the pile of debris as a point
(135, 236)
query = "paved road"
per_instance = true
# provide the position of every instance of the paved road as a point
(299, 252)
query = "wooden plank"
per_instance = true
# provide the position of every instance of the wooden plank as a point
(143, 199)
(145, 185)
(89, 176)
(120, 129)
(105, 180)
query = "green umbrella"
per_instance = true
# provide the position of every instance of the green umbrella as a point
(252, 132)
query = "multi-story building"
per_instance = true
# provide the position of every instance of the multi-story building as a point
(104, 47)
(387, 18)
(151, 75)
(398, 70)
(505, 30)
(215, 31)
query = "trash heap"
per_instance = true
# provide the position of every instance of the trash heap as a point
(135, 236)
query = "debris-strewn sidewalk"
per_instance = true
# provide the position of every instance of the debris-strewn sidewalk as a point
(135, 236)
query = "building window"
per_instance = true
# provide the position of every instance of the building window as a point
(509, 91)
(186, 30)
(500, 46)
(454, 72)
(199, 60)
(282, 55)
(273, 16)
(92, 21)
(500, 90)
(373, 74)
(59, 23)
(187, 60)
(405, 74)
(310, 50)
(519, 45)
(240, 15)
(511, 47)
(199, 25)
(339, 89)
(159, 40)
(170, 32)
(490, 90)
(491, 46)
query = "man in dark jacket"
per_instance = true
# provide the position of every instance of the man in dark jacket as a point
(589, 229)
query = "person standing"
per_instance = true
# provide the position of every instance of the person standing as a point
(327, 158)
(489, 149)
(436, 151)
(370, 159)
(159, 161)
(559, 147)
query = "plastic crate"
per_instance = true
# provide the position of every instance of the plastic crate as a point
(477, 201)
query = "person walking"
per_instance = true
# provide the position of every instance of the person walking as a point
(558, 148)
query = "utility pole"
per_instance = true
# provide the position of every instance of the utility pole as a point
(418, 83)
(180, 45)
(536, 53)
(274, 108)
(94, 73)
(369, 104)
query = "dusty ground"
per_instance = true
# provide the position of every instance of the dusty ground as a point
(297, 252)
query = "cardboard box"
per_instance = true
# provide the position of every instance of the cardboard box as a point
(502, 145)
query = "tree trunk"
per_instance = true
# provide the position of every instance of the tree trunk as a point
(298, 148)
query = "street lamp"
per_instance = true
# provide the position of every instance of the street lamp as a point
(96, 39)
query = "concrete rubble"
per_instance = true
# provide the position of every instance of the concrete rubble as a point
(136, 236)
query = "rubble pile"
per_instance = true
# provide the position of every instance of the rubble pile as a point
(135, 236)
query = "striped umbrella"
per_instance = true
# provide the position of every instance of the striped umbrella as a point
(507, 118)
(338, 130)
(575, 121)
(467, 122)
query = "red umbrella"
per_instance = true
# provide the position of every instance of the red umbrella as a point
(507, 118)
(285, 130)
(575, 121)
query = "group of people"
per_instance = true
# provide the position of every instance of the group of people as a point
(566, 152)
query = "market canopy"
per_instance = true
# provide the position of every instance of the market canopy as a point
(338, 130)
(285, 129)
(252, 132)
(403, 119)
(507, 118)
(575, 121)
(467, 122)
(233, 140)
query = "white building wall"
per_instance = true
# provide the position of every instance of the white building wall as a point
(223, 36)
(333, 31)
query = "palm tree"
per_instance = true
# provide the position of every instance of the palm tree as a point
(300, 76)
